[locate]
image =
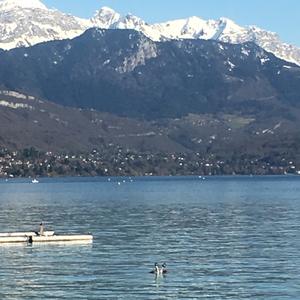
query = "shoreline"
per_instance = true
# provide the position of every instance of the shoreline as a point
(127, 179)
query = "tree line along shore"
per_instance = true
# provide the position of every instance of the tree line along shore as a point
(116, 161)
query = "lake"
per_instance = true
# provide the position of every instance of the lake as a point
(221, 237)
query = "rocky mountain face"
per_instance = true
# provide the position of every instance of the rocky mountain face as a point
(28, 22)
(125, 73)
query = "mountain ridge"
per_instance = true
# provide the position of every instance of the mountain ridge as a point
(40, 24)
(124, 72)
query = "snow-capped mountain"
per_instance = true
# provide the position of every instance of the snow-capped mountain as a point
(28, 22)
(105, 18)
(226, 30)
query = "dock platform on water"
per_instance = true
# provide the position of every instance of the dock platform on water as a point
(46, 237)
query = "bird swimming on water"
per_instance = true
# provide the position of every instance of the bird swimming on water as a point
(164, 268)
(157, 270)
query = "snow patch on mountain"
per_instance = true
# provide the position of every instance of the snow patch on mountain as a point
(14, 105)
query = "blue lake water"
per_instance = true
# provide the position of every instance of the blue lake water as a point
(222, 238)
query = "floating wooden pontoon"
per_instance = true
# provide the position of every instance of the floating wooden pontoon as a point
(46, 237)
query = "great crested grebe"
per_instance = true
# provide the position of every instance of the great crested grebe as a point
(164, 268)
(157, 270)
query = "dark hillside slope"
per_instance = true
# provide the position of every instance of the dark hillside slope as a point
(123, 72)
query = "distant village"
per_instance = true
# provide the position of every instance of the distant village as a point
(116, 161)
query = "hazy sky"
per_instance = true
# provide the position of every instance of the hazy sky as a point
(281, 16)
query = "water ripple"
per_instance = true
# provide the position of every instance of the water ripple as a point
(222, 239)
